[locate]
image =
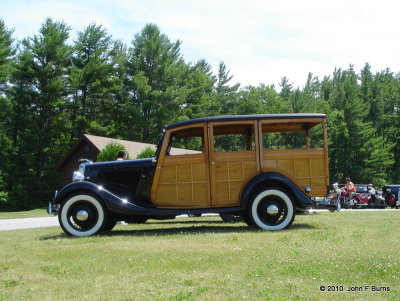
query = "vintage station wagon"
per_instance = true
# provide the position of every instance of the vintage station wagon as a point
(261, 167)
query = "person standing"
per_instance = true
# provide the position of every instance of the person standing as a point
(121, 155)
(372, 192)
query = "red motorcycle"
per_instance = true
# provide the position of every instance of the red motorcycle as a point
(363, 198)
(341, 198)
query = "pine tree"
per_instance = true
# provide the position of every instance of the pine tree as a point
(386, 91)
(196, 93)
(155, 73)
(225, 93)
(355, 145)
(7, 52)
(286, 88)
(39, 95)
(93, 81)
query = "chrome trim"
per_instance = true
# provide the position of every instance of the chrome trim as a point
(82, 168)
(82, 215)
(85, 161)
(53, 208)
(77, 176)
(272, 209)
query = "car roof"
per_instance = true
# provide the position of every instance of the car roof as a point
(226, 118)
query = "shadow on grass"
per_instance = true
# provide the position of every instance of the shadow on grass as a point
(194, 230)
(301, 226)
(197, 228)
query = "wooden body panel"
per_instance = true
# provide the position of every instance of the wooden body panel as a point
(305, 167)
(230, 171)
(183, 181)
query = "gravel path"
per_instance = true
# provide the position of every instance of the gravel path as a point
(28, 223)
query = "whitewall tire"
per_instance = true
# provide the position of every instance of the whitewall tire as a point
(271, 209)
(82, 215)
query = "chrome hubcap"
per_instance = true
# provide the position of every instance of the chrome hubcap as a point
(272, 210)
(82, 215)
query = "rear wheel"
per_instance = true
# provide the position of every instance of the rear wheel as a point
(82, 215)
(270, 209)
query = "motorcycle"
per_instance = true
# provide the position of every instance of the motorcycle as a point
(343, 198)
(363, 198)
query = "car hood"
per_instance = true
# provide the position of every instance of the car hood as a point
(91, 169)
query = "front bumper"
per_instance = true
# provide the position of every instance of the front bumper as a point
(53, 208)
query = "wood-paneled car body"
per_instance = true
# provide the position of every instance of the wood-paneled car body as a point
(262, 167)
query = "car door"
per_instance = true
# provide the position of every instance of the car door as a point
(182, 178)
(233, 160)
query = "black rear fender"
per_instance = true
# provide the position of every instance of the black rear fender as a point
(276, 180)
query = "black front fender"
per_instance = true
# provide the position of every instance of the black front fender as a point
(78, 187)
(274, 179)
(113, 202)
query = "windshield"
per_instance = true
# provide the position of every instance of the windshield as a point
(159, 145)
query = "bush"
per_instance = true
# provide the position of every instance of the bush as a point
(4, 202)
(110, 152)
(148, 152)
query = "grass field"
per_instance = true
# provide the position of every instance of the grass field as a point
(24, 214)
(205, 259)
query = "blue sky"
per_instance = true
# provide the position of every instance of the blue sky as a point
(259, 41)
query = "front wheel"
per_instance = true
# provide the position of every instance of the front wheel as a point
(82, 215)
(270, 209)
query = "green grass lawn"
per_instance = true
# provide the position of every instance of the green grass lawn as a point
(24, 214)
(205, 259)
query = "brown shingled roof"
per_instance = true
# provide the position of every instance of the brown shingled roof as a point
(132, 147)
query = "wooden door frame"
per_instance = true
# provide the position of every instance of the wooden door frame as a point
(211, 156)
(163, 151)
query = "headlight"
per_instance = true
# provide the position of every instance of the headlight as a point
(77, 176)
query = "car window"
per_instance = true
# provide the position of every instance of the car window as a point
(230, 138)
(361, 188)
(295, 136)
(186, 141)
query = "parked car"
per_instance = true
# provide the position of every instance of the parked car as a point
(364, 198)
(391, 193)
(261, 167)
